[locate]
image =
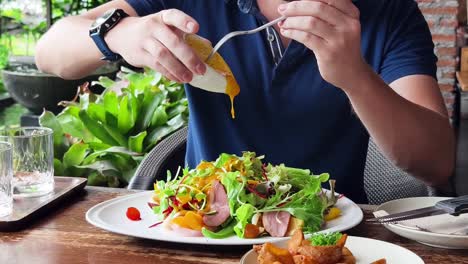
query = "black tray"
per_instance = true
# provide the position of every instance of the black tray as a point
(27, 209)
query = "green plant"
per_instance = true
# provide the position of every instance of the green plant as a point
(4, 52)
(10, 116)
(61, 8)
(22, 24)
(104, 137)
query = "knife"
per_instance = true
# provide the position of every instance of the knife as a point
(454, 206)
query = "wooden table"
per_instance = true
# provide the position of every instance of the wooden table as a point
(64, 236)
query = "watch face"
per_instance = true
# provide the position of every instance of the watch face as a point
(100, 20)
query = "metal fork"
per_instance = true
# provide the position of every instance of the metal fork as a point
(239, 33)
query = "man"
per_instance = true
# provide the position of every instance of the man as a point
(312, 89)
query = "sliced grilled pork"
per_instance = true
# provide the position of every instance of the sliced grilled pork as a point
(276, 223)
(218, 202)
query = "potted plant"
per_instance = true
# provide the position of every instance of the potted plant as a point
(104, 137)
(37, 91)
(21, 24)
(5, 99)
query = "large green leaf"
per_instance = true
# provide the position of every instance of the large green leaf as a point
(13, 13)
(104, 81)
(97, 129)
(74, 127)
(176, 93)
(159, 117)
(111, 120)
(97, 179)
(160, 132)
(4, 53)
(97, 112)
(100, 153)
(151, 103)
(75, 155)
(135, 143)
(125, 118)
(48, 119)
(71, 123)
(139, 82)
(58, 167)
(121, 162)
(97, 146)
(111, 103)
(99, 166)
(72, 110)
(175, 110)
(134, 106)
(115, 134)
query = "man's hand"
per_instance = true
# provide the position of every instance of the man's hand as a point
(332, 30)
(156, 41)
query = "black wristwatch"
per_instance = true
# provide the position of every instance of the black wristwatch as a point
(101, 26)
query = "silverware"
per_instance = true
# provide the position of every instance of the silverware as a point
(454, 206)
(238, 33)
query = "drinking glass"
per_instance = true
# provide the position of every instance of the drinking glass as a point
(6, 178)
(33, 160)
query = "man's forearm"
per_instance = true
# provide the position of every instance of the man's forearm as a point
(415, 138)
(74, 53)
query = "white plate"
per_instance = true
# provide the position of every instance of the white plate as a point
(445, 231)
(365, 250)
(110, 215)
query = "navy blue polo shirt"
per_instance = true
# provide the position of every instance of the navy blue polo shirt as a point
(285, 110)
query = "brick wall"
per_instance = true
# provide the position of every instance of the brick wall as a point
(441, 15)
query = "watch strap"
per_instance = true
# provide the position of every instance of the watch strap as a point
(107, 53)
(98, 34)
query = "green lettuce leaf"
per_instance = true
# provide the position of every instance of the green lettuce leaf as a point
(233, 188)
(243, 216)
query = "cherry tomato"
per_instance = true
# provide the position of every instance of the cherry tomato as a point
(133, 214)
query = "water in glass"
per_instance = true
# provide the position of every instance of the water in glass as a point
(33, 156)
(6, 177)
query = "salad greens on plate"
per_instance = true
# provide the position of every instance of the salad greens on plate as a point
(242, 196)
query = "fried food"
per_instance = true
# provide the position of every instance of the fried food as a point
(301, 251)
(269, 254)
(295, 242)
(347, 257)
(323, 254)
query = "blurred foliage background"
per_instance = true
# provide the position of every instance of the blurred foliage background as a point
(22, 22)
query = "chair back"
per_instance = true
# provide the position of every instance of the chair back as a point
(384, 181)
(169, 154)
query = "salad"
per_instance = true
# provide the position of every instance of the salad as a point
(242, 196)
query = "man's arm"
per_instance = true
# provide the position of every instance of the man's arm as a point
(409, 123)
(154, 41)
(67, 50)
(407, 118)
